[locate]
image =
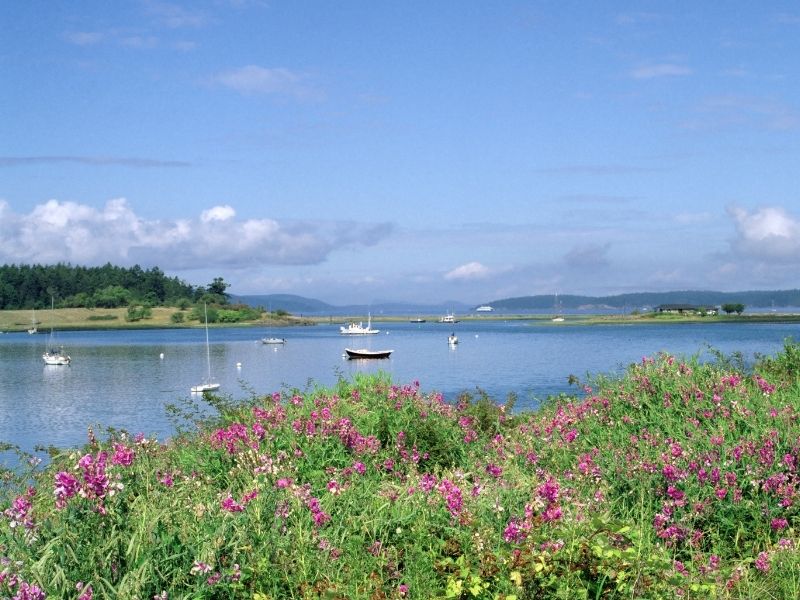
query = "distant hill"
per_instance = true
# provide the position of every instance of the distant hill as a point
(638, 300)
(300, 305)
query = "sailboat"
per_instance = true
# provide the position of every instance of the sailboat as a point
(558, 318)
(270, 339)
(52, 355)
(209, 385)
(33, 328)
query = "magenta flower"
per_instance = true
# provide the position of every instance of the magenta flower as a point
(29, 591)
(493, 470)
(778, 524)
(66, 487)
(762, 562)
(122, 455)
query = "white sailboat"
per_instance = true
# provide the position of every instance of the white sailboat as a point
(558, 318)
(209, 385)
(52, 355)
(33, 328)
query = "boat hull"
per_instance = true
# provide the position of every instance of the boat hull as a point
(273, 341)
(363, 353)
(205, 387)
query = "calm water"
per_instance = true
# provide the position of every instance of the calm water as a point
(118, 378)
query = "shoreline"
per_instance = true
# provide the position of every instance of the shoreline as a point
(84, 319)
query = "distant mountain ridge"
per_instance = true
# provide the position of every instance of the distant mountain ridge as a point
(543, 302)
(638, 300)
(300, 305)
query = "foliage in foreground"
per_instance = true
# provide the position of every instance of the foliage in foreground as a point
(679, 479)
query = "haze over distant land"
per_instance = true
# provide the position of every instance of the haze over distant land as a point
(426, 153)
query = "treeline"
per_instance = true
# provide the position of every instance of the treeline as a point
(33, 286)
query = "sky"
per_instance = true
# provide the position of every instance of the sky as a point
(414, 151)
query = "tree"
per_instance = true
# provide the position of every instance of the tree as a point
(733, 307)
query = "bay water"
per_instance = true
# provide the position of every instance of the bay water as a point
(125, 379)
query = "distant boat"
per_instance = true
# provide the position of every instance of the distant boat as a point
(354, 328)
(33, 328)
(53, 356)
(417, 320)
(452, 339)
(209, 385)
(364, 353)
(448, 318)
(273, 340)
(484, 308)
(557, 307)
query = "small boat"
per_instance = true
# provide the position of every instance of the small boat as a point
(53, 356)
(453, 339)
(354, 328)
(448, 318)
(208, 385)
(417, 320)
(273, 340)
(33, 329)
(364, 353)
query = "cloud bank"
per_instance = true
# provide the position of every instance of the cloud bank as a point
(76, 233)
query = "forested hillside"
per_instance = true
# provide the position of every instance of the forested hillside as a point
(33, 286)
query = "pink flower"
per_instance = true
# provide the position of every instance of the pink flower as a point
(762, 562)
(122, 455)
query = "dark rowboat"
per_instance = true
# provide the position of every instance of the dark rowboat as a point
(364, 353)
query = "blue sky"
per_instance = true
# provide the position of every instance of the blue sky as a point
(413, 151)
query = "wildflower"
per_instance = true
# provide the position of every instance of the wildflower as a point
(283, 483)
(494, 470)
(762, 562)
(230, 505)
(778, 524)
(86, 592)
(166, 479)
(402, 589)
(514, 533)
(66, 487)
(199, 568)
(681, 568)
(214, 579)
(122, 455)
(359, 468)
(29, 591)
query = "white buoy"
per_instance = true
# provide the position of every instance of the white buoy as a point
(161, 356)
(238, 365)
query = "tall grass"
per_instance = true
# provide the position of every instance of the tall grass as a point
(677, 479)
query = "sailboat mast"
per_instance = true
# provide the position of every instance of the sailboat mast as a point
(208, 349)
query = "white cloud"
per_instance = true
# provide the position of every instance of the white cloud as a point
(767, 234)
(252, 79)
(58, 231)
(467, 272)
(218, 213)
(660, 70)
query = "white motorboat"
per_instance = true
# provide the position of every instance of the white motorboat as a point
(448, 318)
(209, 385)
(273, 340)
(452, 339)
(354, 328)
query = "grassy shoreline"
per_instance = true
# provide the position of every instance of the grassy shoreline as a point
(64, 319)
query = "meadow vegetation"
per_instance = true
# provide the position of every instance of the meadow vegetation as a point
(678, 479)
